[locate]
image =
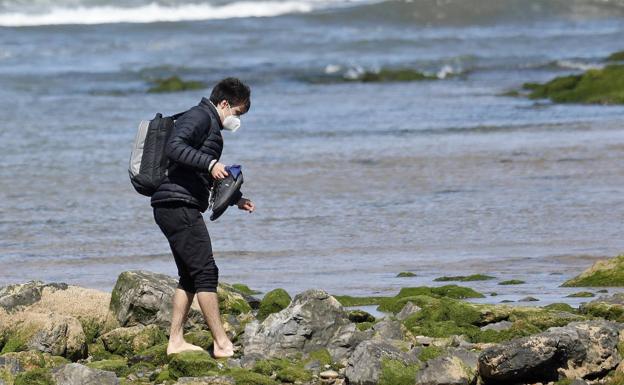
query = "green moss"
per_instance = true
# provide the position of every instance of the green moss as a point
(561, 307)
(174, 84)
(450, 291)
(273, 302)
(201, 338)
(614, 378)
(321, 355)
(163, 376)
(611, 312)
(465, 278)
(430, 352)
(244, 289)
(608, 272)
(293, 374)
(393, 75)
(34, 377)
(151, 335)
(581, 294)
(364, 326)
(616, 56)
(405, 274)
(359, 316)
(14, 343)
(119, 366)
(191, 364)
(284, 370)
(596, 86)
(230, 301)
(33, 359)
(155, 354)
(91, 328)
(395, 372)
(349, 301)
(512, 282)
(98, 352)
(246, 377)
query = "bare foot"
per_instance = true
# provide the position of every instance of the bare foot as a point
(223, 351)
(181, 347)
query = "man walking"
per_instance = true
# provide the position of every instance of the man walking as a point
(194, 149)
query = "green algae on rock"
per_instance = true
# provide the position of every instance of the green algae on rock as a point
(393, 75)
(512, 282)
(616, 56)
(274, 301)
(37, 376)
(118, 366)
(191, 364)
(395, 372)
(596, 86)
(405, 274)
(581, 294)
(174, 84)
(465, 278)
(244, 289)
(609, 272)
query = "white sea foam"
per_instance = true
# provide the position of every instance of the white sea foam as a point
(158, 13)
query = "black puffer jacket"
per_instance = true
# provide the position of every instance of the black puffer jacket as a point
(194, 143)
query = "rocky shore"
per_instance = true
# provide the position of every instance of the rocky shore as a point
(53, 333)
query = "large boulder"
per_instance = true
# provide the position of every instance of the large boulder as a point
(373, 359)
(578, 350)
(52, 333)
(143, 297)
(314, 320)
(24, 294)
(607, 307)
(77, 374)
(457, 367)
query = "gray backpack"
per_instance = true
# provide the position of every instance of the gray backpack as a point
(148, 162)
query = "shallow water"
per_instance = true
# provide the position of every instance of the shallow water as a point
(354, 182)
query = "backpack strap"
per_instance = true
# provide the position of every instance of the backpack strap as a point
(176, 116)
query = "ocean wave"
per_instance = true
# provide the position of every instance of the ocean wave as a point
(155, 12)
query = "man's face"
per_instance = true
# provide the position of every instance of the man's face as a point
(226, 110)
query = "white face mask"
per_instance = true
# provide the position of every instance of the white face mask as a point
(231, 122)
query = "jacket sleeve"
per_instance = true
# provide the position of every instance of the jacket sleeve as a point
(187, 130)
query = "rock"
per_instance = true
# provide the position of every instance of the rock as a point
(498, 326)
(359, 316)
(24, 294)
(458, 367)
(424, 341)
(407, 311)
(174, 84)
(273, 302)
(609, 272)
(77, 374)
(132, 340)
(578, 350)
(10, 365)
(314, 320)
(29, 360)
(528, 299)
(143, 297)
(370, 359)
(191, 364)
(329, 374)
(51, 333)
(608, 307)
(388, 330)
(210, 380)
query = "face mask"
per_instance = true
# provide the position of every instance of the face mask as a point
(231, 122)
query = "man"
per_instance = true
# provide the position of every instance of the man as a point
(194, 149)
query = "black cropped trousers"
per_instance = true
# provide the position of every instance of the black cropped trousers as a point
(188, 237)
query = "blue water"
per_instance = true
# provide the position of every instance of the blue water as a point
(354, 182)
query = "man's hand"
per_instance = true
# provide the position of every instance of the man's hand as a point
(246, 204)
(218, 171)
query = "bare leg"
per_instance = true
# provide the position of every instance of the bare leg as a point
(181, 304)
(209, 304)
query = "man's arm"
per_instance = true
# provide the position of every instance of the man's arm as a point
(179, 149)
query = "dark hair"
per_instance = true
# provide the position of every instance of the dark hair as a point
(234, 91)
